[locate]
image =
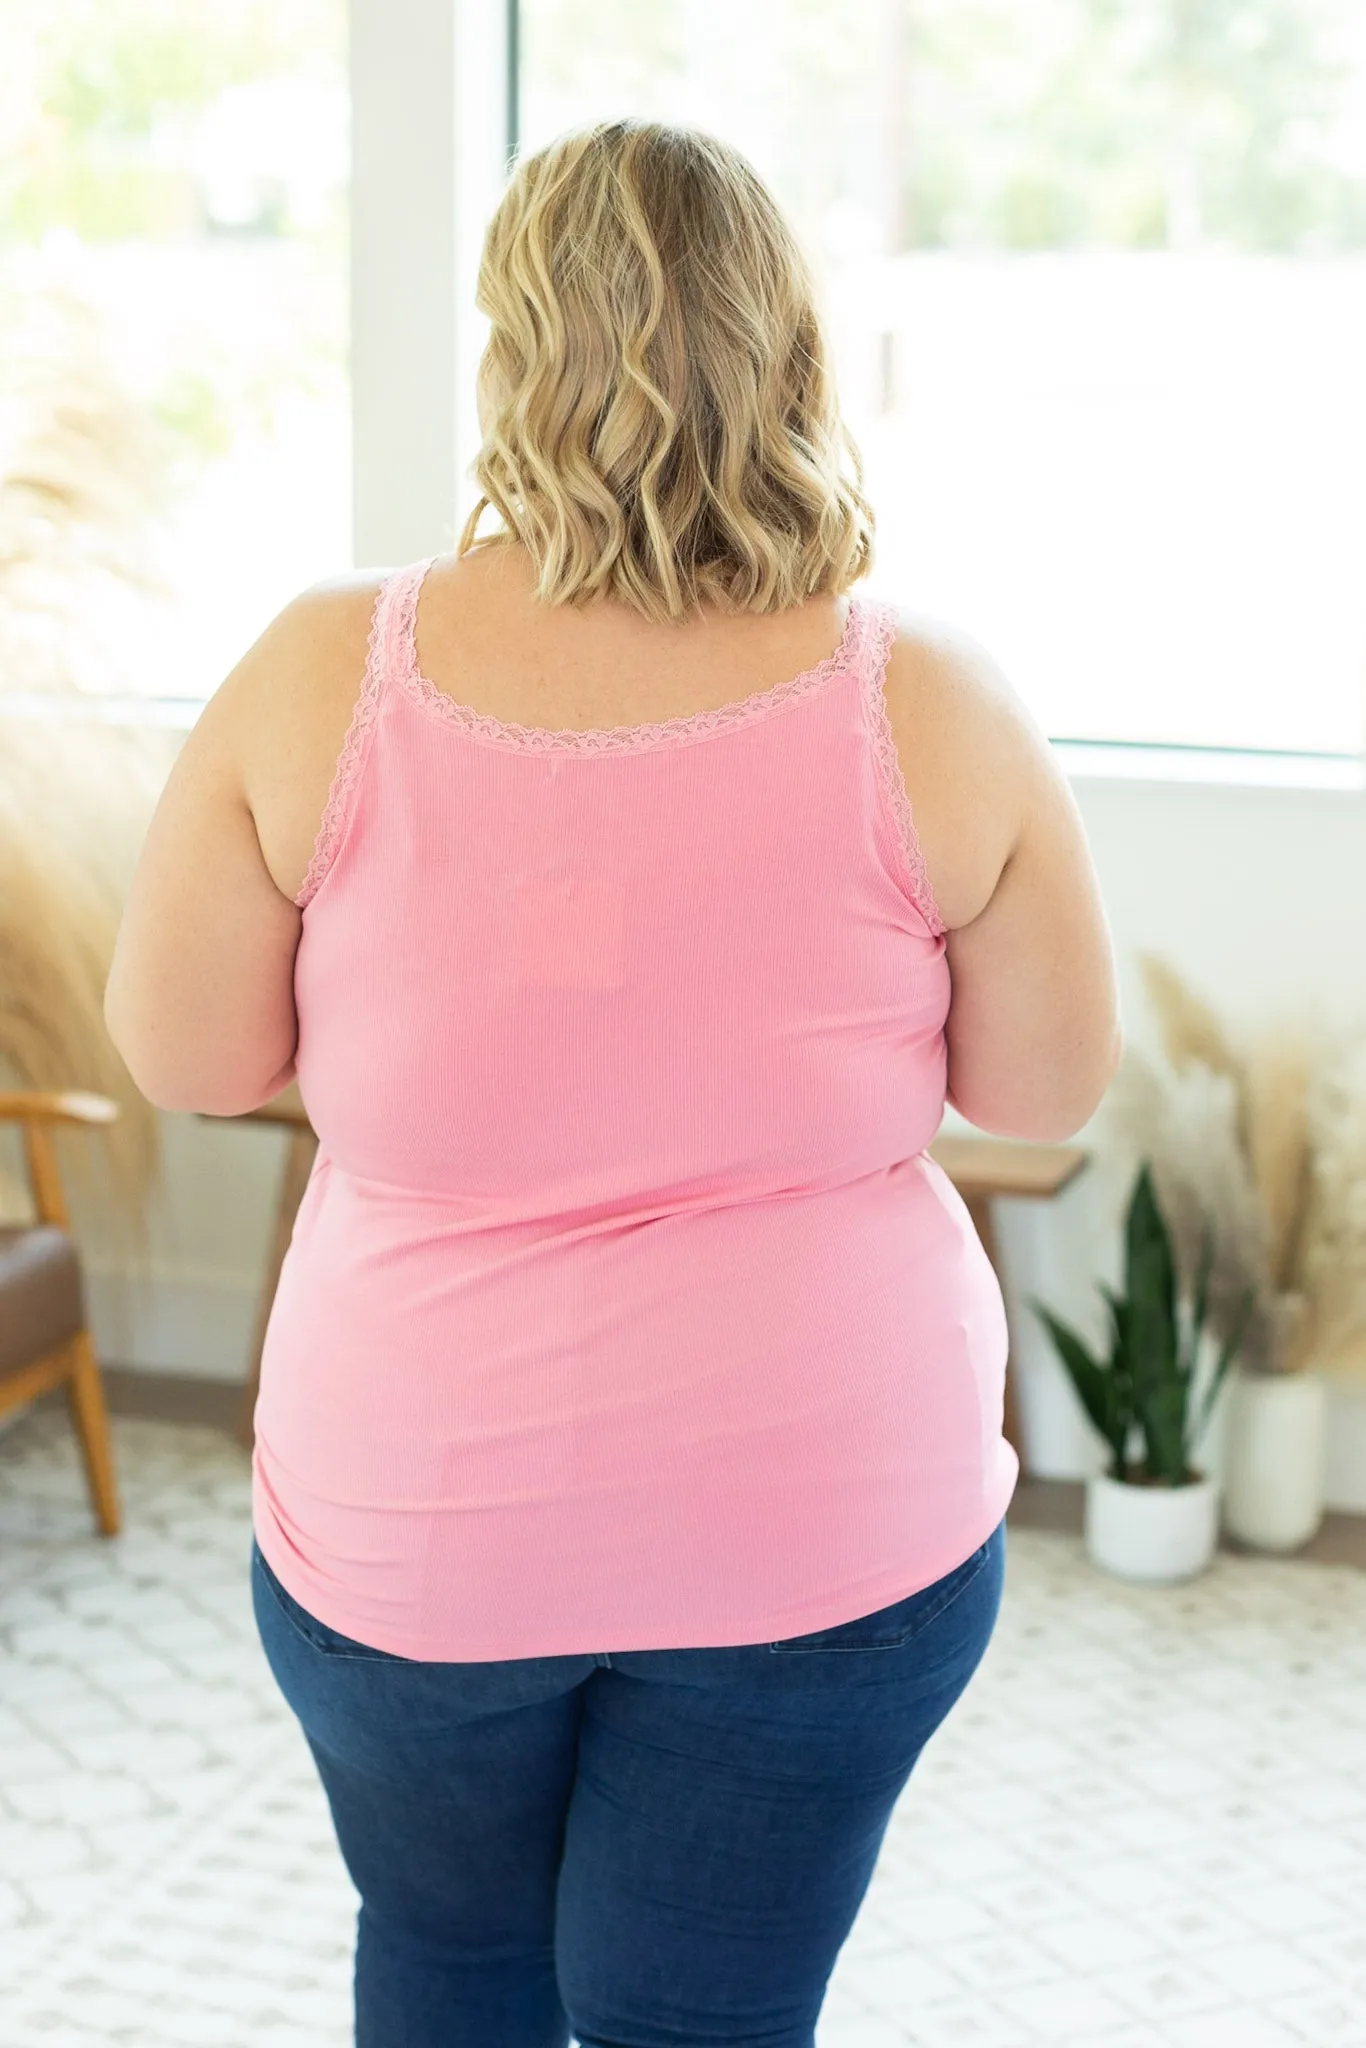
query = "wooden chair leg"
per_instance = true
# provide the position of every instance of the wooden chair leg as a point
(85, 1392)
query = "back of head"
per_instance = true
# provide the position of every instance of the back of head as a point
(656, 395)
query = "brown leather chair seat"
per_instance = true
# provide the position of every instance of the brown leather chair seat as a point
(41, 1303)
(44, 1341)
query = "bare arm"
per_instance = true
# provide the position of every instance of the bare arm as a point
(1033, 1033)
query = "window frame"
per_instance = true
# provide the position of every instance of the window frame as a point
(435, 125)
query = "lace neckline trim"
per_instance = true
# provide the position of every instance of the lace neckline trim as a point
(483, 725)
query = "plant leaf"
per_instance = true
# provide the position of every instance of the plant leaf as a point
(1103, 1392)
(1201, 1294)
(1159, 1386)
(1119, 1324)
(1226, 1357)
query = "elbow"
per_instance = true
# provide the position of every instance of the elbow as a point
(1068, 1119)
(169, 1084)
(157, 1088)
(126, 1042)
(192, 1096)
(1035, 1115)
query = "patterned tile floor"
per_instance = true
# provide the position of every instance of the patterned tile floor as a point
(1144, 1827)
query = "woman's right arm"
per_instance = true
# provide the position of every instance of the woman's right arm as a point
(1033, 1032)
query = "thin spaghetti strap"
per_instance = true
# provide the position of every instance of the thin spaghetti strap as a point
(390, 644)
(400, 633)
(879, 624)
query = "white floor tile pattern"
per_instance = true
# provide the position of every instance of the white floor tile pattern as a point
(1145, 1826)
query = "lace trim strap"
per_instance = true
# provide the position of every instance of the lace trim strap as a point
(390, 643)
(881, 632)
(400, 627)
(697, 725)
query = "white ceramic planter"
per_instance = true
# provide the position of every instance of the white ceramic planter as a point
(1156, 1535)
(1274, 1455)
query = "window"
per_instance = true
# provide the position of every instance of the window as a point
(173, 190)
(1096, 277)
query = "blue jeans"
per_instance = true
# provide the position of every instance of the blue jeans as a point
(655, 1849)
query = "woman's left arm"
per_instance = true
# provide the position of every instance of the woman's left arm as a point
(200, 996)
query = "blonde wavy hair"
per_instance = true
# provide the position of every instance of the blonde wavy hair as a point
(656, 398)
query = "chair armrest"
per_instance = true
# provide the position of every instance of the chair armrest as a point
(34, 1109)
(57, 1106)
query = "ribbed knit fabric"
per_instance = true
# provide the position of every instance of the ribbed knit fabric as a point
(624, 1308)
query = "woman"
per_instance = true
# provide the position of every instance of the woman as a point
(629, 1479)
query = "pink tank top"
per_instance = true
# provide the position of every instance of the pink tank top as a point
(624, 1308)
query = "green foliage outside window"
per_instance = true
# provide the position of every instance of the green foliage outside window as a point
(1131, 124)
(97, 95)
(1063, 124)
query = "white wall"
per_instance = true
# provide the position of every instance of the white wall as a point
(1256, 895)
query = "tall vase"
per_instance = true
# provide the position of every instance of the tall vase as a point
(1274, 1457)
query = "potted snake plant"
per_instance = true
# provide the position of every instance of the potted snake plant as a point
(1152, 1514)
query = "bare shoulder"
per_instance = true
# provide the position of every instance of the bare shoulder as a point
(310, 658)
(338, 606)
(285, 709)
(297, 683)
(955, 683)
(962, 735)
(308, 634)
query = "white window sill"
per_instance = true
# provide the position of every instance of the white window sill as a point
(1083, 760)
(48, 708)
(1095, 761)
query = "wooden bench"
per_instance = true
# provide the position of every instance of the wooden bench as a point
(980, 1169)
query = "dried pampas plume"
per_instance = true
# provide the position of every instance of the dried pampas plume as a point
(79, 470)
(1277, 1072)
(83, 469)
(1184, 1122)
(1190, 1029)
(71, 819)
(1265, 1142)
(1333, 1244)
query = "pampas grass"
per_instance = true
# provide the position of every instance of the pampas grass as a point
(74, 804)
(80, 470)
(1277, 1069)
(1332, 1251)
(1190, 1030)
(83, 471)
(1264, 1142)
(1184, 1122)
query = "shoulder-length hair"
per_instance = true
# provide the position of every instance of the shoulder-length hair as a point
(656, 396)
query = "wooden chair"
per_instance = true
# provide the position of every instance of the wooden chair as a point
(44, 1341)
